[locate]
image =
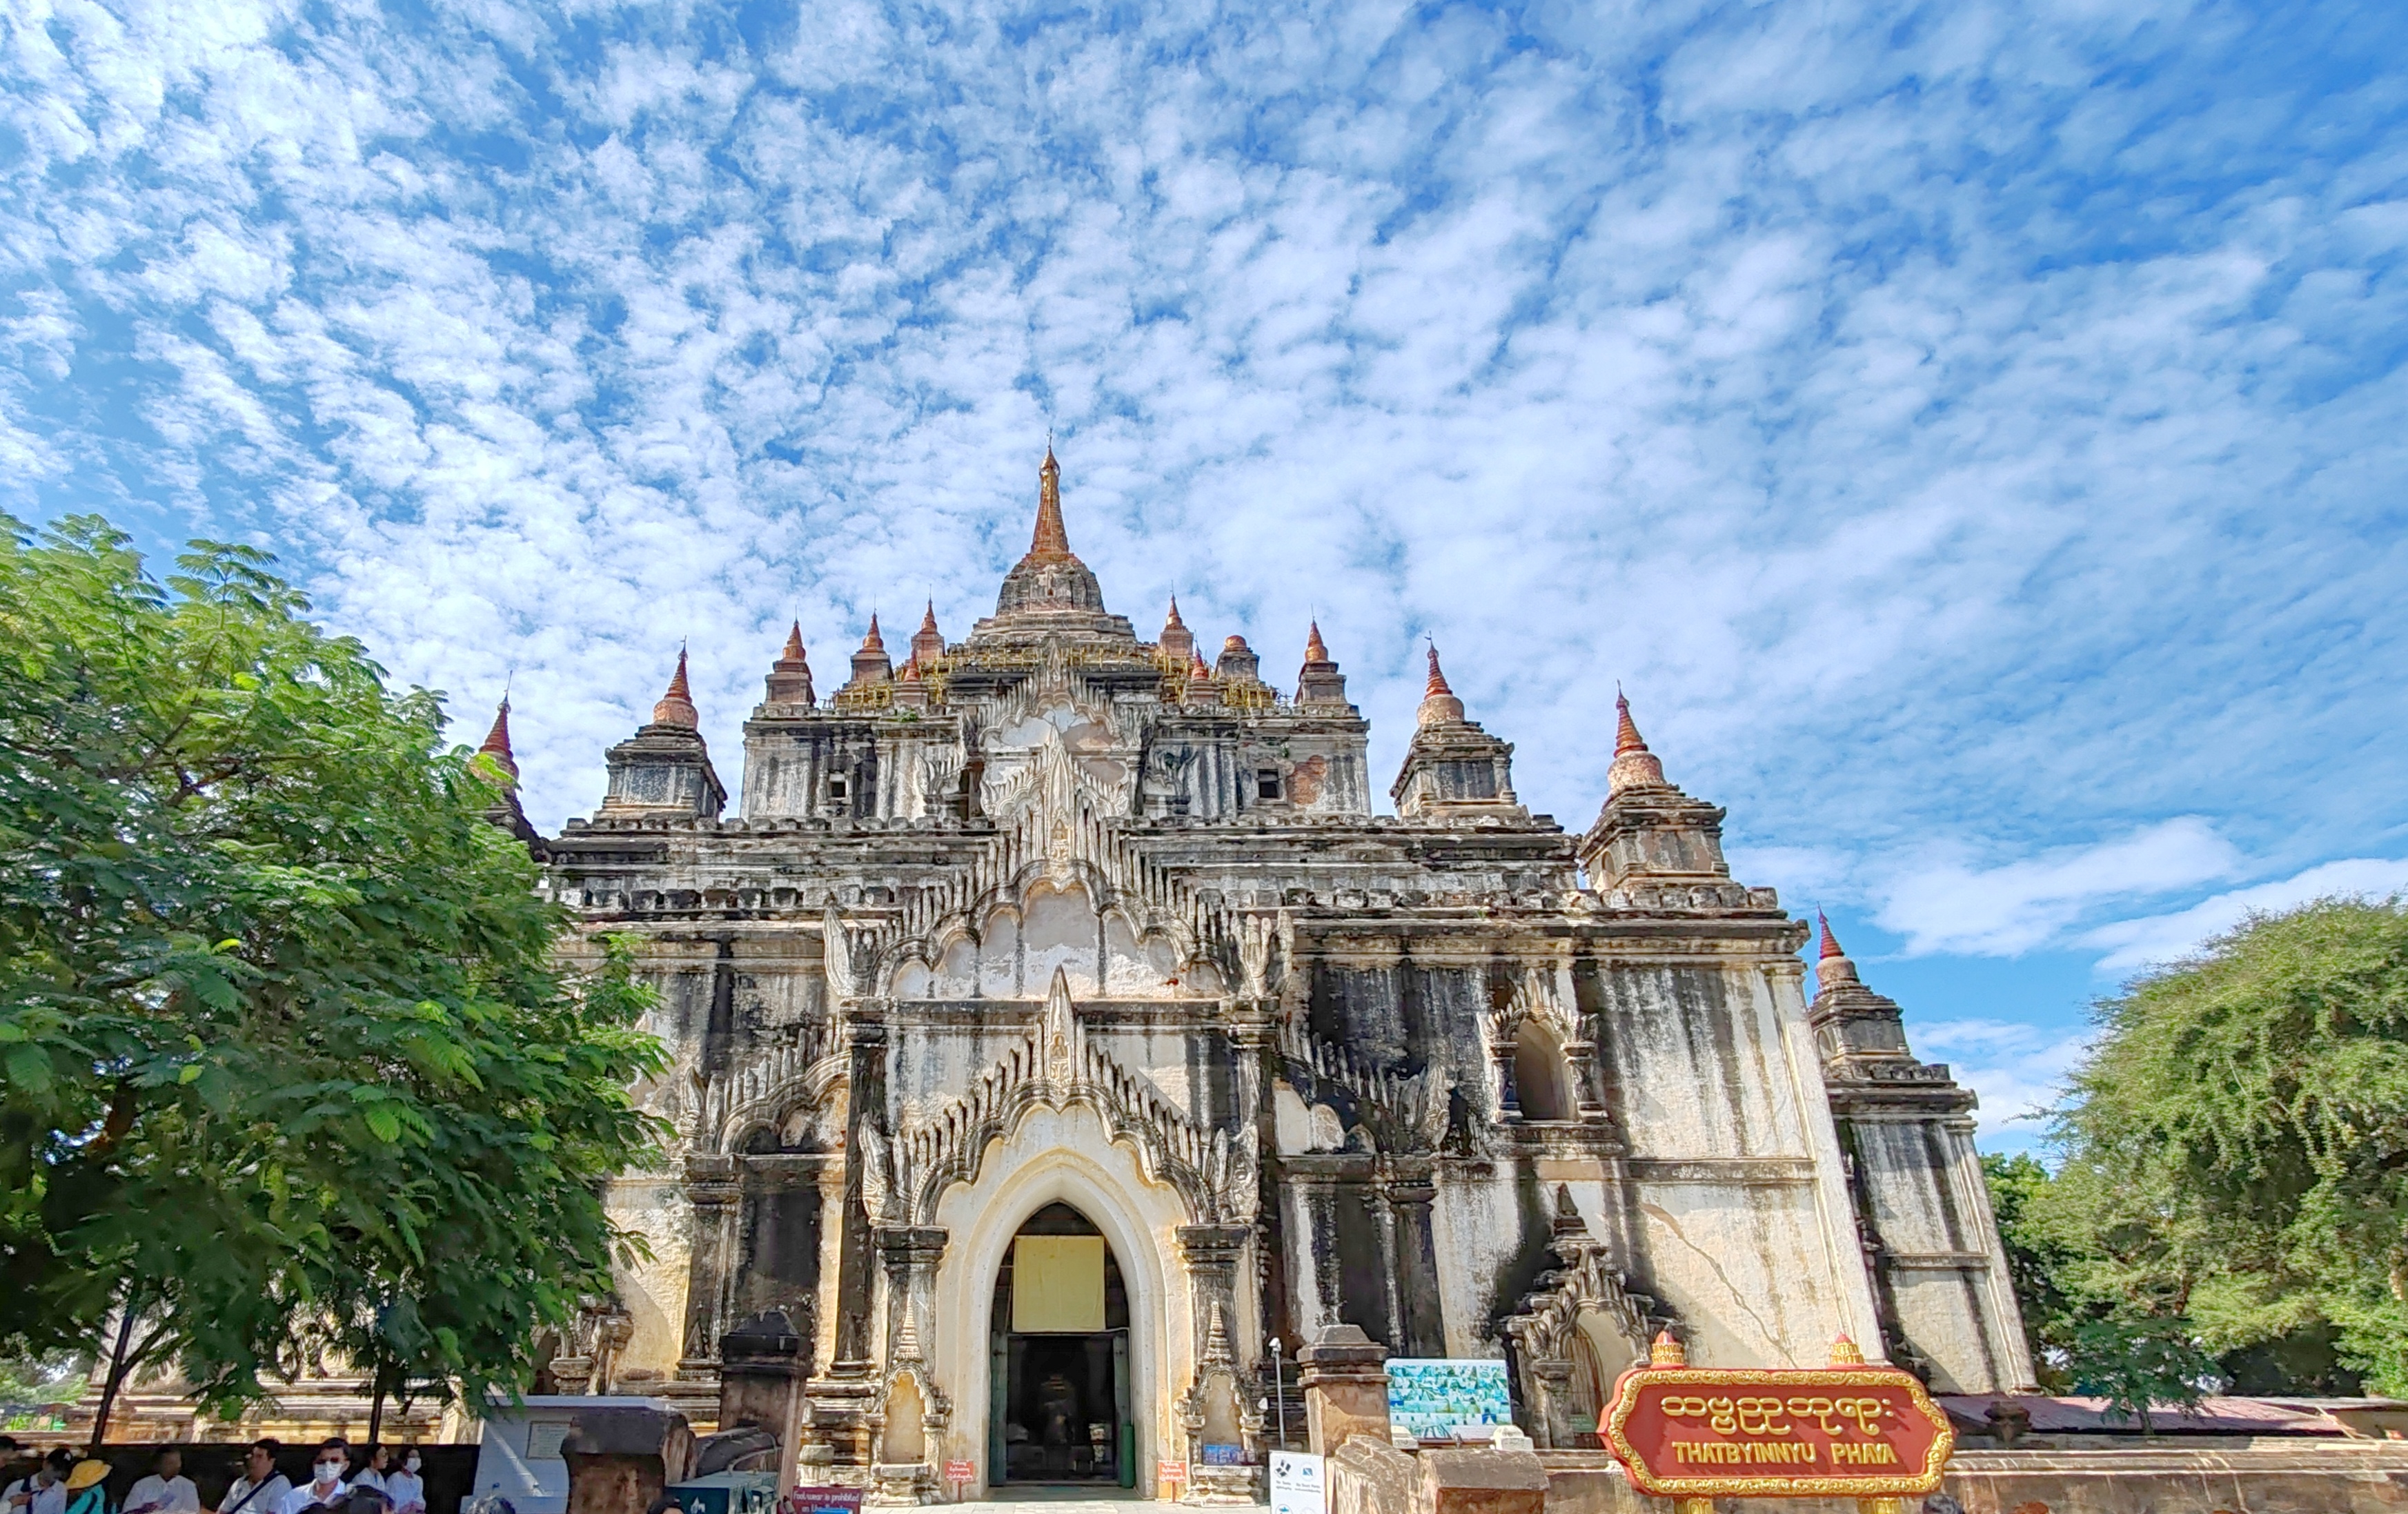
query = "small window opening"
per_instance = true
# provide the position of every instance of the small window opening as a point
(1541, 1076)
(1267, 783)
(836, 788)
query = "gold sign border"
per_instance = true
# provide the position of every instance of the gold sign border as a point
(1625, 1404)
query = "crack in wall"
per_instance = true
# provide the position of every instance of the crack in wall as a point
(1739, 1300)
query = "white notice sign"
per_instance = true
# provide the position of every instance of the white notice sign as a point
(1297, 1486)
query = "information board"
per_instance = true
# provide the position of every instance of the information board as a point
(1439, 1399)
(1299, 1483)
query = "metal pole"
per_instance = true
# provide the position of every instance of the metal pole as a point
(1279, 1391)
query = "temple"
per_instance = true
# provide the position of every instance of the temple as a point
(1056, 1024)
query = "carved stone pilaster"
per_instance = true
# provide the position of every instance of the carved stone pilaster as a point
(1210, 1254)
(712, 1187)
(910, 1255)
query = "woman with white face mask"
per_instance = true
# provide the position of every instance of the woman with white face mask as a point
(404, 1486)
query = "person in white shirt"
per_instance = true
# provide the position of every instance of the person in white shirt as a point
(261, 1489)
(371, 1472)
(18, 1498)
(50, 1497)
(404, 1487)
(167, 1490)
(327, 1484)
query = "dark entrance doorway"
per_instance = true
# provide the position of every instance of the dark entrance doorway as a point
(1059, 1366)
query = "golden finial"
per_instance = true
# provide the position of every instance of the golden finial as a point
(1846, 1353)
(1667, 1351)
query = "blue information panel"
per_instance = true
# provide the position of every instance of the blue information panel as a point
(1440, 1400)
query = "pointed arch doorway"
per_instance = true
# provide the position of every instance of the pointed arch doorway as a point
(1058, 1381)
(1065, 1154)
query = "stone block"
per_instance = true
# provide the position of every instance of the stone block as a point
(1366, 1477)
(1481, 1482)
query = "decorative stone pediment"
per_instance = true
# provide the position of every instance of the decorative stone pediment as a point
(1056, 1066)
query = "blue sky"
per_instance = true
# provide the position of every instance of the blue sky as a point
(1971, 432)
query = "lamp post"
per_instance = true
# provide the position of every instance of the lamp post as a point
(1279, 1391)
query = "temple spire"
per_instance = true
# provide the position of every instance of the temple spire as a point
(790, 676)
(870, 664)
(1177, 642)
(1051, 541)
(928, 643)
(1831, 964)
(676, 707)
(1319, 682)
(1626, 732)
(1634, 766)
(498, 741)
(1440, 707)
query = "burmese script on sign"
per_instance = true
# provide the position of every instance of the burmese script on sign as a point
(1680, 1427)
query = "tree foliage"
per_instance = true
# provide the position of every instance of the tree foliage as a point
(2235, 1155)
(286, 1055)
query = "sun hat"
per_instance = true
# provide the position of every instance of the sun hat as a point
(87, 1472)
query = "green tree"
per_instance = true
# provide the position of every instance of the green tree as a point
(287, 1055)
(2235, 1148)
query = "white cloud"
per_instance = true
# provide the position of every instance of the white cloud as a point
(2137, 944)
(2005, 910)
(2017, 1069)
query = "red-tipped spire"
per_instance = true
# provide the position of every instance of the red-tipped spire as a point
(498, 740)
(871, 641)
(1195, 667)
(1051, 541)
(1626, 739)
(790, 676)
(928, 643)
(1634, 766)
(1313, 650)
(1439, 706)
(1831, 964)
(676, 707)
(1174, 620)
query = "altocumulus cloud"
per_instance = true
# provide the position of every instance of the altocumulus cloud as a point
(1972, 432)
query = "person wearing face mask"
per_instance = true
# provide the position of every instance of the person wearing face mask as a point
(50, 1497)
(404, 1486)
(261, 1489)
(327, 1484)
(371, 1472)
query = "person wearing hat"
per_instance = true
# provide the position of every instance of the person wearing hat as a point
(88, 1487)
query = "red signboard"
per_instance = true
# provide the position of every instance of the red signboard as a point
(1846, 1431)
